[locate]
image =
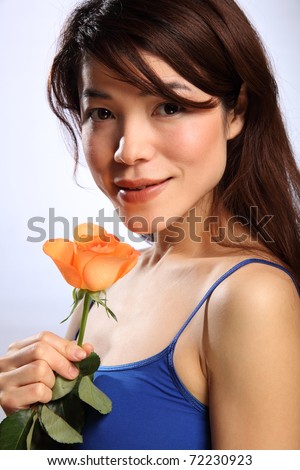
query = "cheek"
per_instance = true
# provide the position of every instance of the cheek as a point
(96, 153)
(98, 161)
(87, 145)
(202, 142)
(200, 150)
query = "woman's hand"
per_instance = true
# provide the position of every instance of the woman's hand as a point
(27, 371)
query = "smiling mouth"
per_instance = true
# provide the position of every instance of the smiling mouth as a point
(140, 191)
(139, 188)
(138, 185)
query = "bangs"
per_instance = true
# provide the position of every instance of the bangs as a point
(118, 35)
(127, 60)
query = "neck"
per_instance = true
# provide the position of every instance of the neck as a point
(198, 236)
(190, 236)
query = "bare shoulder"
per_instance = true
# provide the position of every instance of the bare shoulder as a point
(253, 302)
(258, 291)
(252, 353)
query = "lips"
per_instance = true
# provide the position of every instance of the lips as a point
(137, 185)
(140, 190)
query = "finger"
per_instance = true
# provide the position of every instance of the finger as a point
(68, 348)
(20, 344)
(37, 371)
(89, 348)
(72, 350)
(45, 352)
(20, 398)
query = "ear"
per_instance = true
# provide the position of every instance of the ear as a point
(236, 117)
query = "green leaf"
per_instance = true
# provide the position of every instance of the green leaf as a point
(95, 296)
(29, 434)
(14, 429)
(88, 365)
(74, 305)
(78, 295)
(74, 294)
(62, 387)
(39, 439)
(110, 313)
(71, 409)
(90, 394)
(57, 428)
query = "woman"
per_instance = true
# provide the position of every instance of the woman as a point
(178, 116)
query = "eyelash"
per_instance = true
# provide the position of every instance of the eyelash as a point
(180, 108)
(96, 110)
(109, 115)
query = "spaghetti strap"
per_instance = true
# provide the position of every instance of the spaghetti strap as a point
(221, 279)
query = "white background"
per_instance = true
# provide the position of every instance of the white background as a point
(37, 169)
(183, 459)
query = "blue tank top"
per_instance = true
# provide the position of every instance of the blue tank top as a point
(152, 409)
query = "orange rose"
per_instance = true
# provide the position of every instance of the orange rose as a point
(94, 261)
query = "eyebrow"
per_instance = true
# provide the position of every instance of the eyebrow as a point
(92, 93)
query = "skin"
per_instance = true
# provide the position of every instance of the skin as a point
(110, 124)
(240, 354)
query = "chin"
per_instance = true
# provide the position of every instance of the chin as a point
(141, 227)
(142, 223)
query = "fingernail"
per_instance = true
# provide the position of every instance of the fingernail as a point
(79, 354)
(73, 371)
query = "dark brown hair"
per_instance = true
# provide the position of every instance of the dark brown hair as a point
(211, 44)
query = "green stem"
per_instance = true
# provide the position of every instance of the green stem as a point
(84, 316)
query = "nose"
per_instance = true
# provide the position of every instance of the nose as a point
(135, 143)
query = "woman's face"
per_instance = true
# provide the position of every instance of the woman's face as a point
(155, 160)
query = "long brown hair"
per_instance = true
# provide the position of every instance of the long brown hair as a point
(211, 44)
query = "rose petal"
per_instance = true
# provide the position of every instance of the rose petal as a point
(94, 261)
(61, 252)
(59, 249)
(82, 258)
(101, 272)
(126, 267)
(85, 233)
(70, 274)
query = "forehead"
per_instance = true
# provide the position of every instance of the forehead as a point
(94, 73)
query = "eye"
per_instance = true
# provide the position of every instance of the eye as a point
(101, 114)
(168, 109)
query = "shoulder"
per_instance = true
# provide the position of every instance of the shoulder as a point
(256, 285)
(252, 350)
(256, 299)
